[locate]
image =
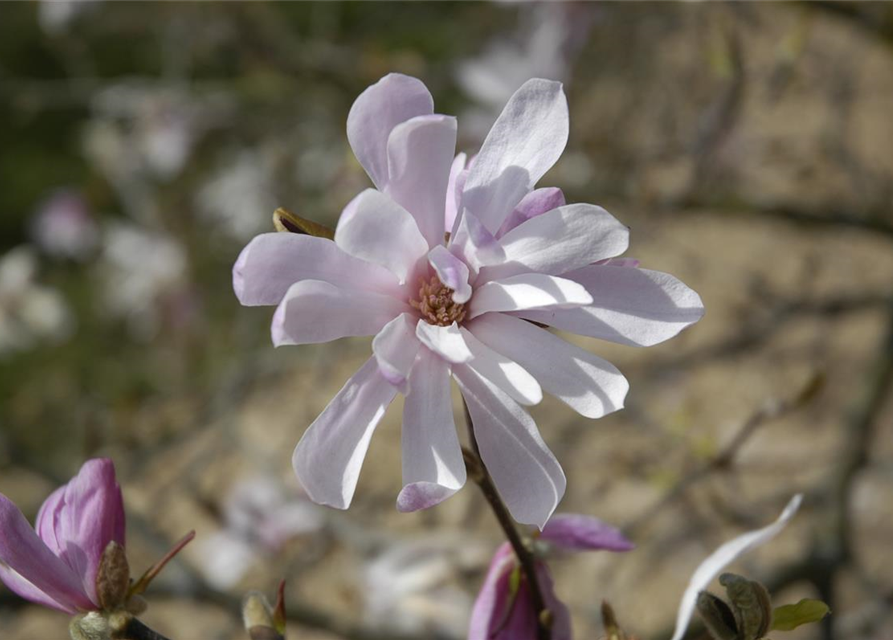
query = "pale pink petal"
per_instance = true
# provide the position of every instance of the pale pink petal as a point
(420, 153)
(637, 307)
(528, 291)
(503, 372)
(575, 532)
(526, 140)
(26, 554)
(561, 615)
(474, 244)
(725, 555)
(314, 311)
(560, 241)
(452, 272)
(447, 342)
(395, 348)
(454, 192)
(272, 262)
(526, 473)
(433, 467)
(535, 203)
(24, 589)
(492, 597)
(92, 517)
(588, 384)
(330, 455)
(618, 262)
(376, 229)
(381, 107)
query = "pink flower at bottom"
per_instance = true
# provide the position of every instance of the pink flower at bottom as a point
(444, 263)
(504, 608)
(55, 563)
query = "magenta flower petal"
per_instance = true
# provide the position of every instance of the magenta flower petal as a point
(272, 262)
(526, 473)
(420, 153)
(22, 551)
(24, 589)
(493, 594)
(390, 101)
(47, 522)
(330, 455)
(526, 140)
(636, 307)
(535, 203)
(574, 532)
(588, 384)
(433, 467)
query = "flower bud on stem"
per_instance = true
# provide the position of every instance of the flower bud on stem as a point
(523, 548)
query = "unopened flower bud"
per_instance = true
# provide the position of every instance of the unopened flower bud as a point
(113, 577)
(90, 626)
(747, 617)
(262, 621)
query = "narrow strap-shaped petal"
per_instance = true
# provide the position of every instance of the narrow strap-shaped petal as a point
(559, 241)
(506, 374)
(632, 306)
(330, 455)
(273, 262)
(92, 517)
(725, 555)
(535, 203)
(528, 291)
(375, 228)
(526, 140)
(526, 473)
(433, 467)
(420, 153)
(447, 342)
(395, 348)
(24, 589)
(473, 243)
(453, 192)
(26, 554)
(452, 272)
(314, 311)
(576, 532)
(394, 99)
(588, 384)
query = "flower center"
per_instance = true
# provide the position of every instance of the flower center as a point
(435, 303)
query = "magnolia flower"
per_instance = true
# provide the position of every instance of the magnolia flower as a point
(504, 609)
(443, 263)
(55, 564)
(724, 556)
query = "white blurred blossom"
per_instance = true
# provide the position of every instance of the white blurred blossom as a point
(55, 16)
(30, 313)
(63, 228)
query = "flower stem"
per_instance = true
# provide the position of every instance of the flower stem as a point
(477, 471)
(136, 630)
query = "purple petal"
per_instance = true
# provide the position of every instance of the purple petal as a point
(493, 594)
(537, 202)
(574, 532)
(26, 554)
(48, 517)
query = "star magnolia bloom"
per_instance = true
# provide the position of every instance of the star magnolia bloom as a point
(504, 610)
(56, 565)
(724, 556)
(443, 264)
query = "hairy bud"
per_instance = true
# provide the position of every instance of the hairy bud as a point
(90, 626)
(113, 577)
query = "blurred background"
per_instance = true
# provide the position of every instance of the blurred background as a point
(748, 146)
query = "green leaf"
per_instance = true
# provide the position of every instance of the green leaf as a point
(791, 616)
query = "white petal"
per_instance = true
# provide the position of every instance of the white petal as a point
(474, 244)
(724, 556)
(447, 342)
(504, 373)
(375, 228)
(420, 153)
(452, 272)
(561, 240)
(526, 140)
(433, 467)
(393, 99)
(330, 455)
(526, 474)
(632, 306)
(395, 348)
(588, 384)
(527, 291)
(272, 262)
(314, 311)
(453, 192)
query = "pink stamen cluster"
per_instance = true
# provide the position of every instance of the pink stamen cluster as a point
(435, 303)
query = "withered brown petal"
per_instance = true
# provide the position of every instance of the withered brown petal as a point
(750, 604)
(717, 617)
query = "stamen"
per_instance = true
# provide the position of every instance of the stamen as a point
(435, 303)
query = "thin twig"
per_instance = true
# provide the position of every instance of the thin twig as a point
(136, 630)
(477, 471)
